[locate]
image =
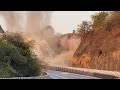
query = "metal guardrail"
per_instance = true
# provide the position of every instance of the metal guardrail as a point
(89, 72)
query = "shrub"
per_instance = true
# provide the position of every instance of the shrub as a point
(17, 57)
(99, 19)
(84, 27)
(113, 20)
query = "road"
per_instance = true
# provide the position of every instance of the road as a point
(57, 75)
(65, 75)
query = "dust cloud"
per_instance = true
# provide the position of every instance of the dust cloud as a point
(36, 25)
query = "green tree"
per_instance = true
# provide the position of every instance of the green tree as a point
(99, 19)
(17, 57)
(84, 27)
(113, 20)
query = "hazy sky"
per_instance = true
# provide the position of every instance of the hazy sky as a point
(67, 21)
(64, 21)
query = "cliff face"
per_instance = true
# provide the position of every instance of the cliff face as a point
(99, 49)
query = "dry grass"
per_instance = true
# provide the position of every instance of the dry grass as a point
(101, 49)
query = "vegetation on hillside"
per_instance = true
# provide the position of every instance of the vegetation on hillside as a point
(84, 27)
(17, 58)
(98, 20)
(100, 48)
(113, 20)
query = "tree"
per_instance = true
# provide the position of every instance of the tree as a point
(99, 19)
(17, 57)
(113, 20)
(84, 27)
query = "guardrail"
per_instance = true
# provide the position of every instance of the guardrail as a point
(89, 72)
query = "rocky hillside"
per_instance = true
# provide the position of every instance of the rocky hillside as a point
(100, 48)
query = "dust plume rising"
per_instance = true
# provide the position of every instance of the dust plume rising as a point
(37, 21)
(36, 25)
(32, 23)
(68, 44)
(14, 20)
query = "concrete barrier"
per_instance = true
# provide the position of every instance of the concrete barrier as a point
(89, 72)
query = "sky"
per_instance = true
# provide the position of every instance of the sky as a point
(67, 21)
(2, 23)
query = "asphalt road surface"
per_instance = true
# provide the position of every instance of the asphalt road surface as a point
(57, 75)
(65, 75)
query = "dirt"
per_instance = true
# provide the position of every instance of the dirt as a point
(99, 49)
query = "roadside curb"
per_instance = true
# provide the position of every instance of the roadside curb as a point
(89, 72)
